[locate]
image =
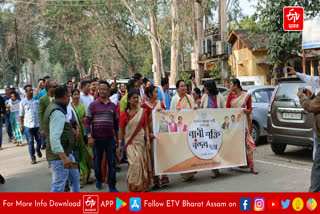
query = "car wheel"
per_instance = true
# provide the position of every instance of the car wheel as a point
(255, 133)
(278, 148)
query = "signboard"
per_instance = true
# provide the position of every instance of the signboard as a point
(198, 140)
(293, 18)
(311, 34)
(15, 108)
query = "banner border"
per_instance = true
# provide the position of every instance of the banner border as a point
(198, 170)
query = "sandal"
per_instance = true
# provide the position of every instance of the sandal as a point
(215, 173)
(254, 171)
(164, 182)
(156, 182)
(89, 181)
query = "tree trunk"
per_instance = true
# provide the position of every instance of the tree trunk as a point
(183, 66)
(78, 64)
(155, 52)
(275, 74)
(4, 64)
(175, 43)
(198, 35)
(132, 70)
(33, 82)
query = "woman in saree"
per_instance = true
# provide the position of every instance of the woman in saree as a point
(84, 152)
(240, 99)
(135, 132)
(154, 104)
(212, 99)
(14, 117)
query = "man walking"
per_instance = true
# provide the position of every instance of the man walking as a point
(6, 98)
(314, 107)
(314, 82)
(131, 85)
(61, 141)
(162, 94)
(85, 97)
(2, 113)
(138, 78)
(102, 117)
(44, 91)
(29, 123)
(93, 86)
(40, 88)
(44, 102)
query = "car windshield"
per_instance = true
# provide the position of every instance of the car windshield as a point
(288, 91)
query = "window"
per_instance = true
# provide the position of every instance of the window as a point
(260, 97)
(287, 91)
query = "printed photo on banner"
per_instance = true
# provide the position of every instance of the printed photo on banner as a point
(197, 140)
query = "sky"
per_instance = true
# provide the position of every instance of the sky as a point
(247, 7)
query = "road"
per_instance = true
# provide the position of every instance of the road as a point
(286, 173)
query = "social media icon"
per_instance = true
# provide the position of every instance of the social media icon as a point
(273, 204)
(135, 204)
(297, 204)
(245, 204)
(120, 204)
(311, 204)
(259, 204)
(285, 204)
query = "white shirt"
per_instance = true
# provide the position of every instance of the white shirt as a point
(29, 110)
(71, 115)
(311, 80)
(86, 100)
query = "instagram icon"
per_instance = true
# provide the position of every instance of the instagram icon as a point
(259, 204)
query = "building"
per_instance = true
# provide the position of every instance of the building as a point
(248, 60)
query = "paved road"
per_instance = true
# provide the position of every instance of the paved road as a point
(286, 173)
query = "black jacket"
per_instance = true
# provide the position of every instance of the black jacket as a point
(2, 106)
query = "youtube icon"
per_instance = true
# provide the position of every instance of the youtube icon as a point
(273, 204)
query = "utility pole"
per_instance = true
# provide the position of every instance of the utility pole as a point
(4, 64)
(17, 56)
(199, 34)
(223, 38)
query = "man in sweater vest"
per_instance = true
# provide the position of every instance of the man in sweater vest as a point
(60, 143)
(101, 123)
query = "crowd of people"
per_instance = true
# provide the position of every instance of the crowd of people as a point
(95, 125)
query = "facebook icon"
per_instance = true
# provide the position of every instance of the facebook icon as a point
(245, 204)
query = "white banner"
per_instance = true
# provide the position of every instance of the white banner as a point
(311, 34)
(15, 108)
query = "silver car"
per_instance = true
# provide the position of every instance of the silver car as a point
(260, 98)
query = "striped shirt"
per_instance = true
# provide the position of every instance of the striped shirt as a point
(102, 118)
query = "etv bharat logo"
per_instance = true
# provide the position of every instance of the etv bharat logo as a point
(293, 18)
(90, 203)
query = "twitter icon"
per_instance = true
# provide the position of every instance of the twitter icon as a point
(285, 204)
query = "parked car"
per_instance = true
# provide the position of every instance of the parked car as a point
(222, 89)
(260, 98)
(288, 122)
